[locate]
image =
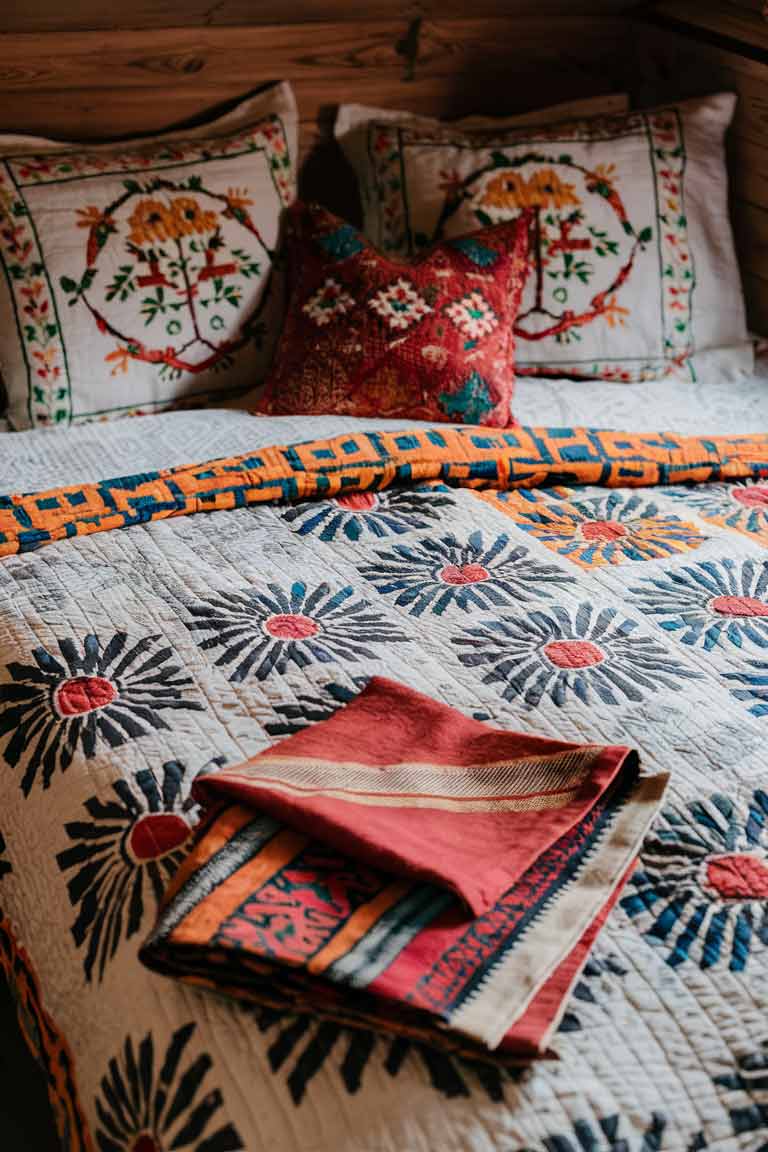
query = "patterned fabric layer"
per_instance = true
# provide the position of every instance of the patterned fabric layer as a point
(633, 272)
(137, 276)
(445, 872)
(525, 457)
(592, 588)
(368, 335)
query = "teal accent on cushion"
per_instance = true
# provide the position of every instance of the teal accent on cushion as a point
(342, 243)
(472, 403)
(478, 253)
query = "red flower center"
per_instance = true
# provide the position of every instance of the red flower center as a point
(738, 606)
(607, 530)
(358, 501)
(755, 497)
(291, 626)
(145, 1142)
(83, 694)
(738, 876)
(573, 653)
(464, 574)
(156, 834)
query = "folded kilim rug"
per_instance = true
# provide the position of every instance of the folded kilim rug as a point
(404, 867)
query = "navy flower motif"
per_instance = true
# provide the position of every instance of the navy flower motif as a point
(263, 632)
(125, 848)
(701, 890)
(607, 1134)
(555, 651)
(597, 970)
(150, 1105)
(305, 1045)
(755, 686)
(308, 708)
(437, 574)
(5, 864)
(81, 698)
(746, 1093)
(379, 514)
(709, 602)
(742, 506)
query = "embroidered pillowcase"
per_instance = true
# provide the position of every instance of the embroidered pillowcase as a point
(633, 270)
(369, 335)
(137, 276)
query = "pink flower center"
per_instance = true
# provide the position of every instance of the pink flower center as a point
(291, 626)
(738, 606)
(358, 501)
(464, 574)
(738, 876)
(754, 497)
(145, 1142)
(607, 530)
(83, 694)
(157, 834)
(573, 653)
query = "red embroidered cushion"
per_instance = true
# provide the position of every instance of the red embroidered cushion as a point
(367, 335)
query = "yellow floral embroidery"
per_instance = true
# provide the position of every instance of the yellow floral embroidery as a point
(544, 189)
(6, 203)
(120, 358)
(92, 217)
(614, 313)
(152, 221)
(605, 172)
(238, 198)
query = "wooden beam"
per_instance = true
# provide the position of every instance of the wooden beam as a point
(721, 24)
(79, 15)
(93, 84)
(246, 57)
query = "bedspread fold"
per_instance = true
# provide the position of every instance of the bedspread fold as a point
(471, 457)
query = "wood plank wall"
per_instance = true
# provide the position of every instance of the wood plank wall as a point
(699, 47)
(71, 70)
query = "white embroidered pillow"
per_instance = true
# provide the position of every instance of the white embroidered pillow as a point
(137, 276)
(633, 272)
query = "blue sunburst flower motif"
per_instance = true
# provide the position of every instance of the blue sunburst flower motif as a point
(437, 574)
(124, 849)
(742, 505)
(755, 686)
(389, 513)
(746, 1093)
(556, 651)
(587, 1003)
(81, 697)
(700, 891)
(711, 601)
(307, 708)
(157, 1097)
(263, 632)
(613, 528)
(608, 1134)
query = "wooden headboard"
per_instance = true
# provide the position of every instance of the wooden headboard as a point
(70, 70)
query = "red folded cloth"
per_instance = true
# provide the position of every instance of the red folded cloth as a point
(403, 866)
(417, 789)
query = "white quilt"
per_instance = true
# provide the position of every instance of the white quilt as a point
(111, 701)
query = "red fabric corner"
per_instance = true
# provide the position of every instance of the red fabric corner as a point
(403, 783)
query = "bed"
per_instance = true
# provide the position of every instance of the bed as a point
(655, 620)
